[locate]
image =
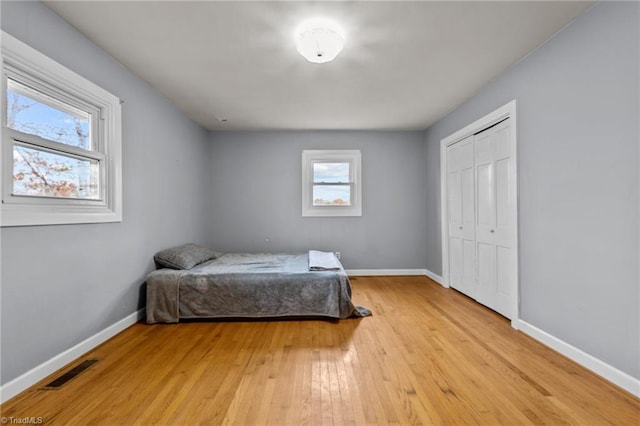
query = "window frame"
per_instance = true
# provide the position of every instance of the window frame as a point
(311, 157)
(25, 65)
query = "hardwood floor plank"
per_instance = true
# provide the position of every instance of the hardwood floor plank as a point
(428, 355)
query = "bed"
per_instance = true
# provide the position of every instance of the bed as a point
(194, 282)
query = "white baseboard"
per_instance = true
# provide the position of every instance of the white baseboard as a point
(601, 368)
(30, 378)
(392, 272)
(383, 272)
(436, 278)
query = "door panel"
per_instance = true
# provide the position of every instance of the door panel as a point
(486, 214)
(461, 216)
(495, 233)
(484, 147)
(486, 275)
(503, 194)
(455, 201)
(468, 207)
(501, 141)
(504, 260)
(455, 262)
(468, 283)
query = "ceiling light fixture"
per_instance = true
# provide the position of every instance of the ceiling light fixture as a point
(319, 40)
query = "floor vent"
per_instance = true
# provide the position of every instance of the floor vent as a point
(66, 377)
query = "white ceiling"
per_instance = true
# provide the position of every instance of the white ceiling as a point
(405, 64)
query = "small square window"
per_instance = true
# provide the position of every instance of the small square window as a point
(331, 183)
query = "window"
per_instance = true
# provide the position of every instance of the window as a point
(331, 183)
(61, 143)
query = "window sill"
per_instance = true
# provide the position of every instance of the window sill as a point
(26, 215)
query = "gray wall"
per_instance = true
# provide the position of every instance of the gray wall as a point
(256, 187)
(578, 138)
(63, 284)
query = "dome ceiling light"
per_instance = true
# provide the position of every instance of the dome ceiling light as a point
(319, 40)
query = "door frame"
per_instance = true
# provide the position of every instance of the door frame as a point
(506, 111)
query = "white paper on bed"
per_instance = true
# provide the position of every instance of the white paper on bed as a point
(323, 261)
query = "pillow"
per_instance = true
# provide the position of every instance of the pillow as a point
(185, 256)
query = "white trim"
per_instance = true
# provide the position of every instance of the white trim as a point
(637, 387)
(354, 158)
(23, 63)
(436, 278)
(601, 368)
(444, 223)
(394, 272)
(33, 376)
(506, 111)
(384, 272)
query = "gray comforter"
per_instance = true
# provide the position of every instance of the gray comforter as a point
(249, 286)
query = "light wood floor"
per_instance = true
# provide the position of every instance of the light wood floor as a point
(428, 355)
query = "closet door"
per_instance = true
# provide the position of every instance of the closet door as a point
(461, 210)
(495, 221)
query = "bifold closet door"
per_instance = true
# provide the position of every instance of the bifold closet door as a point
(495, 224)
(461, 210)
